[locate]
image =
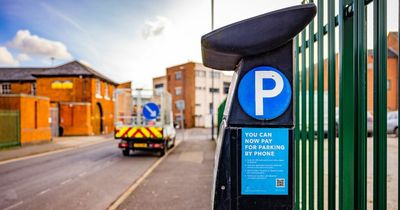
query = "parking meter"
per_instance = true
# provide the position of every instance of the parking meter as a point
(254, 162)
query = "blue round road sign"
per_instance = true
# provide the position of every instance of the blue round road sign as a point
(150, 111)
(264, 93)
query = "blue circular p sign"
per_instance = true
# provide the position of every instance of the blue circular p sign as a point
(264, 93)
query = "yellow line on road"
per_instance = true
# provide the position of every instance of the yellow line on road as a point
(114, 205)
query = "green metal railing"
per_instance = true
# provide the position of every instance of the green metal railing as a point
(346, 134)
(9, 128)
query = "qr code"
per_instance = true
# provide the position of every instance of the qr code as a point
(280, 182)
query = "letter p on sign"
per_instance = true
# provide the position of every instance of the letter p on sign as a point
(261, 93)
(264, 93)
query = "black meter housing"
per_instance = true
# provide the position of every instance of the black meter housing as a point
(264, 40)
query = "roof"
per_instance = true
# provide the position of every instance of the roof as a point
(19, 74)
(390, 53)
(73, 68)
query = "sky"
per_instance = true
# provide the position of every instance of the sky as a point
(127, 40)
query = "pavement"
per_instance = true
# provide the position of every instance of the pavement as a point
(181, 181)
(57, 144)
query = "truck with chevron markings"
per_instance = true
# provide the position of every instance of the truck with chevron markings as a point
(143, 121)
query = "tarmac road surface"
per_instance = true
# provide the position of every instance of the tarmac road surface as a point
(91, 177)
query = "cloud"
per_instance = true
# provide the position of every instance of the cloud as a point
(35, 45)
(23, 57)
(155, 27)
(6, 58)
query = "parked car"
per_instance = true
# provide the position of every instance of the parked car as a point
(392, 122)
(370, 122)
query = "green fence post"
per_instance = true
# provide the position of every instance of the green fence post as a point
(331, 106)
(360, 65)
(348, 102)
(303, 122)
(311, 115)
(380, 105)
(296, 128)
(320, 173)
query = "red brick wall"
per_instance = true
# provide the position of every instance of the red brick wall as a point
(80, 92)
(187, 82)
(34, 116)
(75, 118)
(21, 88)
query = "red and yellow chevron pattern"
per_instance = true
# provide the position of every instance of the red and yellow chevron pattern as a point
(138, 132)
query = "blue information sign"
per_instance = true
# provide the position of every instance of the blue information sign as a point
(264, 93)
(150, 111)
(265, 154)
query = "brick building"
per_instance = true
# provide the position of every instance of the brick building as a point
(192, 83)
(392, 74)
(81, 99)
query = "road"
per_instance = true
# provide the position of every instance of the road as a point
(85, 178)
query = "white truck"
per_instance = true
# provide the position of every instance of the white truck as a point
(137, 130)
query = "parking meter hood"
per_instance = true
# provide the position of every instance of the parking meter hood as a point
(224, 47)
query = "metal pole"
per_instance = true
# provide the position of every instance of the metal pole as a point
(303, 122)
(212, 77)
(331, 107)
(380, 106)
(320, 105)
(311, 115)
(297, 123)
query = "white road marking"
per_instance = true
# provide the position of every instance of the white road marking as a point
(14, 205)
(44, 191)
(66, 181)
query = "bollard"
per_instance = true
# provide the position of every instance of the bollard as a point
(254, 161)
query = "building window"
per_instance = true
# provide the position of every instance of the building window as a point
(157, 86)
(98, 89)
(226, 87)
(106, 95)
(159, 89)
(214, 90)
(178, 75)
(178, 91)
(62, 85)
(33, 88)
(5, 88)
(214, 74)
(200, 73)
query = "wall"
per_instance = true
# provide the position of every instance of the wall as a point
(187, 82)
(80, 92)
(21, 88)
(83, 90)
(75, 118)
(203, 96)
(107, 106)
(391, 76)
(34, 116)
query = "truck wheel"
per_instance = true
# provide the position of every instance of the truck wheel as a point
(125, 152)
(173, 142)
(162, 152)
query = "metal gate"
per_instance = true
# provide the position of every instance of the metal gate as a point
(346, 155)
(54, 115)
(9, 128)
